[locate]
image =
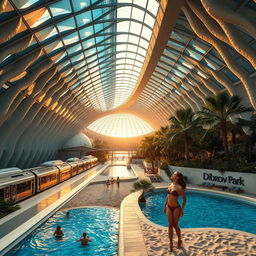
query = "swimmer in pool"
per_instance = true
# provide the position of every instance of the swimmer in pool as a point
(84, 239)
(172, 208)
(58, 233)
(68, 215)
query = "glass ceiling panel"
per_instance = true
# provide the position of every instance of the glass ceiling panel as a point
(97, 39)
(121, 125)
(180, 72)
(100, 46)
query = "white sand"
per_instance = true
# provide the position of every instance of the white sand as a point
(195, 243)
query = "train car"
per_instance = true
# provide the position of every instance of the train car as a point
(79, 163)
(74, 165)
(46, 177)
(94, 161)
(81, 166)
(16, 184)
(64, 168)
(87, 163)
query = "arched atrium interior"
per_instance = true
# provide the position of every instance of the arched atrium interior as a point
(67, 66)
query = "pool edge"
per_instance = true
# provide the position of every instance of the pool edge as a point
(146, 220)
(132, 202)
(14, 237)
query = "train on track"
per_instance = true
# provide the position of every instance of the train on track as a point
(17, 184)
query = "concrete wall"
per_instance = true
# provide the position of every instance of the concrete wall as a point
(245, 181)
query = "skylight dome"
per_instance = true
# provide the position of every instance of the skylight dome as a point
(121, 125)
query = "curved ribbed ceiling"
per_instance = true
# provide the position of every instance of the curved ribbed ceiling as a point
(99, 45)
(208, 51)
(66, 63)
(121, 125)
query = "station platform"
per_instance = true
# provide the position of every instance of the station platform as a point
(35, 210)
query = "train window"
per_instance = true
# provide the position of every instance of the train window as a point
(53, 176)
(13, 190)
(1, 194)
(48, 178)
(43, 180)
(7, 192)
(23, 187)
(32, 186)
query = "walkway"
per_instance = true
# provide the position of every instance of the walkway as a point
(97, 194)
(37, 209)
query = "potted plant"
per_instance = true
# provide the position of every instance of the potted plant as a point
(143, 185)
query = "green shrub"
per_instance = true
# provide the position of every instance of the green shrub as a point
(164, 166)
(7, 207)
(221, 164)
(143, 185)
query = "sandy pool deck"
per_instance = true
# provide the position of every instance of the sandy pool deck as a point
(155, 240)
(197, 243)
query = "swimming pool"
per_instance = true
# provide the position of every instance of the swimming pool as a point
(204, 210)
(100, 224)
(118, 171)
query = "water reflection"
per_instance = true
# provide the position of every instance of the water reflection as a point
(121, 157)
(118, 171)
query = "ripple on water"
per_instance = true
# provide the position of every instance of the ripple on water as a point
(100, 224)
(204, 210)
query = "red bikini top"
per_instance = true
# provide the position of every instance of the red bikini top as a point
(174, 192)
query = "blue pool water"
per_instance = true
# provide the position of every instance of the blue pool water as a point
(100, 224)
(204, 210)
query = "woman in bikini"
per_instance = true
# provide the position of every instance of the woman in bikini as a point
(172, 208)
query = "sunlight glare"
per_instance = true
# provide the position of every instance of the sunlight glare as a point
(121, 125)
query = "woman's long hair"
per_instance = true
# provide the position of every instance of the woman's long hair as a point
(181, 180)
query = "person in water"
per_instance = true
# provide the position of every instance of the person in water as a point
(58, 233)
(172, 208)
(84, 239)
(68, 215)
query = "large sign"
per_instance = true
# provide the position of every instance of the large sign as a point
(228, 179)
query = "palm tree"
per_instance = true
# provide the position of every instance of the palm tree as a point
(160, 139)
(148, 149)
(101, 155)
(218, 110)
(7, 207)
(234, 129)
(184, 123)
(251, 124)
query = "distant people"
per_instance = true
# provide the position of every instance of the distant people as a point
(118, 182)
(107, 183)
(84, 239)
(112, 181)
(58, 233)
(68, 215)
